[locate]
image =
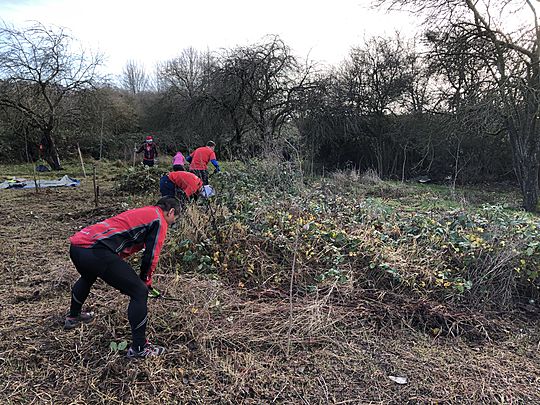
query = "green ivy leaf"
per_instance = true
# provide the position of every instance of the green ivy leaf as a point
(122, 345)
(113, 346)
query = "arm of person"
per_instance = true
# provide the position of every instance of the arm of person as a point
(216, 164)
(141, 148)
(152, 248)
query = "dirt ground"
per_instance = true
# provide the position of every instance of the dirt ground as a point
(228, 345)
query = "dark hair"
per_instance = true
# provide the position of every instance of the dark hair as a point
(168, 202)
(210, 143)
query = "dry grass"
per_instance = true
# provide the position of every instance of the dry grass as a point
(228, 345)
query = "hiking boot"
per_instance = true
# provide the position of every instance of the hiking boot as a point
(148, 350)
(74, 321)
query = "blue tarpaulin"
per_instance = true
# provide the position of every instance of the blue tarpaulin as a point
(65, 181)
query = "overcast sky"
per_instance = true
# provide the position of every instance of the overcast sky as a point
(157, 30)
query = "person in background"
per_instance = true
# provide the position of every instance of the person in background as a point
(150, 151)
(97, 251)
(184, 185)
(199, 160)
(178, 162)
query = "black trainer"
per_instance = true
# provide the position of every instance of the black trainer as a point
(74, 321)
(147, 350)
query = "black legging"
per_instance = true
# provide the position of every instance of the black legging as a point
(201, 174)
(103, 263)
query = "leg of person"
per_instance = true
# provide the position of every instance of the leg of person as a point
(84, 261)
(204, 177)
(197, 173)
(148, 162)
(120, 275)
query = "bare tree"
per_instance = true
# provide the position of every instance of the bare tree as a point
(263, 87)
(511, 58)
(183, 105)
(134, 77)
(39, 69)
(187, 74)
(250, 89)
(373, 82)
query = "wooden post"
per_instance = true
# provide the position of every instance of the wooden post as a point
(101, 136)
(80, 157)
(35, 180)
(134, 153)
(96, 188)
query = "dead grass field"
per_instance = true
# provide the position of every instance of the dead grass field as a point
(228, 345)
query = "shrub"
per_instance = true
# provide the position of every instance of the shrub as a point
(140, 180)
(258, 225)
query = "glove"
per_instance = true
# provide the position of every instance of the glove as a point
(153, 293)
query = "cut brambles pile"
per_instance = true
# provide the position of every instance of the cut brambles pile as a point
(139, 179)
(376, 292)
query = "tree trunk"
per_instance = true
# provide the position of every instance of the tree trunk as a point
(529, 183)
(26, 144)
(525, 160)
(50, 153)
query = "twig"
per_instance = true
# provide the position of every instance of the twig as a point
(291, 283)
(213, 220)
(35, 180)
(279, 393)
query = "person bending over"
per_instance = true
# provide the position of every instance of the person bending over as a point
(97, 251)
(184, 185)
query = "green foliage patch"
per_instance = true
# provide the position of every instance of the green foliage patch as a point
(260, 227)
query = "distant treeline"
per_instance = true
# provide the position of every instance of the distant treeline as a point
(435, 106)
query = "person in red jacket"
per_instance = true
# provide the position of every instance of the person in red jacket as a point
(97, 251)
(150, 151)
(184, 185)
(199, 160)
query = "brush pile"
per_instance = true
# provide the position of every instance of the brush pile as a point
(139, 179)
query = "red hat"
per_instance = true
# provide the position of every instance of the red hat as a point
(149, 138)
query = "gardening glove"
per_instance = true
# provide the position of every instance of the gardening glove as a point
(153, 293)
